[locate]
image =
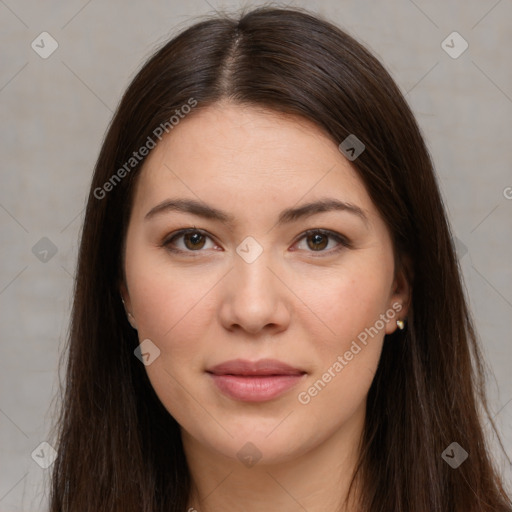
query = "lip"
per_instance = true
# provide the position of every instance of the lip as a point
(259, 368)
(255, 381)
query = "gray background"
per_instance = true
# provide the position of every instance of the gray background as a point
(54, 114)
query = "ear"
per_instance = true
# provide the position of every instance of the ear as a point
(401, 295)
(125, 297)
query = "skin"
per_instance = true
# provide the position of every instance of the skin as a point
(293, 303)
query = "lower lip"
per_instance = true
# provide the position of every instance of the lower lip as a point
(253, 388)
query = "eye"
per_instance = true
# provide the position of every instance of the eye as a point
(318, 240)
(192, 240)
(188, 240)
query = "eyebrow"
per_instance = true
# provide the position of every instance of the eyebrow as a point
(288, 215)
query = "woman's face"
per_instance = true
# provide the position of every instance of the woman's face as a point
(285, 258)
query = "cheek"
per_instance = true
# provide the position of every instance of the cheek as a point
(345, 367)
(351, 305)
(174, 309)
(177, 317)
(166, 299)
(347, 301)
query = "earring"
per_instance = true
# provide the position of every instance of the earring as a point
(131, 318)
(400, 324)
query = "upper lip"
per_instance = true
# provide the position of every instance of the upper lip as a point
(261, 367)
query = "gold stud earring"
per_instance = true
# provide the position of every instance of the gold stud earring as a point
(400, 324)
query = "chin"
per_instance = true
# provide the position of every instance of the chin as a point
(263, 443)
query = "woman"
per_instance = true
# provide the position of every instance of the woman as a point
(268, 310)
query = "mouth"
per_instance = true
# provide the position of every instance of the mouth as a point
(256, 381)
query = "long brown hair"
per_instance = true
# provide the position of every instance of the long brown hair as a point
(118, 447)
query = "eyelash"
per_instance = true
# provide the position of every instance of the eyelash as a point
(342, 241)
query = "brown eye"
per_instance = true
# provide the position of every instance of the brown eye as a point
(194, 241)
(188, 241)
(323, 241)
(317, 241)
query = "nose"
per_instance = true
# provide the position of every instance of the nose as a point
(254, 300)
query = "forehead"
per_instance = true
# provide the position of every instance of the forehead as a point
(246, 156)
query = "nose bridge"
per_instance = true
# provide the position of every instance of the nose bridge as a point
(253, 296)
(252, 261)
(252, 276)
